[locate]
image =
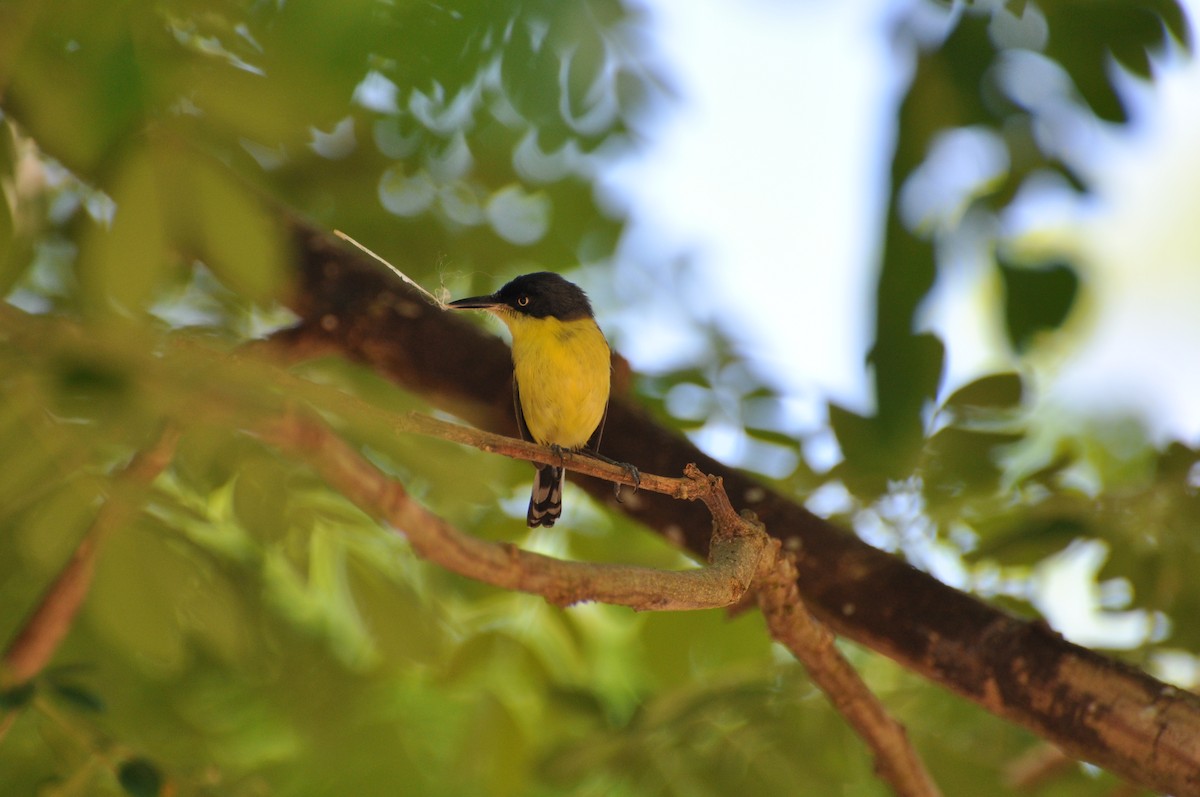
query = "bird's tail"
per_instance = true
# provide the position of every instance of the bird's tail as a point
(545, 504)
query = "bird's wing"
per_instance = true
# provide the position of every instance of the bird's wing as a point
(521, 425)
(593, 443)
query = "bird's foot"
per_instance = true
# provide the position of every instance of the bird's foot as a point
(634, 475)
(631, 471)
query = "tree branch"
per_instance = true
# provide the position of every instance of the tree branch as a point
(734, 554)
(811, 641)
(40, 635)
(1094, 708)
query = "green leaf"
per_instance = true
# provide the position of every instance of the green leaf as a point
(1086, 34)
(122, 265)
(18, 696)
(236, 237)
(10, 271)
(77, 696)
(908, 372)
(992, 392)
(1026, 537)
(584, 70)
(855, 433)
(139, 777)
(962, 461)
(773, 436)
(496, 750)
(529, 75)
(1036, 300)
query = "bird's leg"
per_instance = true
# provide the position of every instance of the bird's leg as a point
(558, 451)
(631, 471)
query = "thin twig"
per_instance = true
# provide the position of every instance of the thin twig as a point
(434, 300)
(42, 632)
(579, 462)
(812, 642)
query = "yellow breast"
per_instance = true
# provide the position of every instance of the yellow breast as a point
(562, 370)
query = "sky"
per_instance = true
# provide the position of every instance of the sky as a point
(785, 232)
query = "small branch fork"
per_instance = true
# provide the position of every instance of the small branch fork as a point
(736, 551)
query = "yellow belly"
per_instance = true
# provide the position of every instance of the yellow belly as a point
(562, 371)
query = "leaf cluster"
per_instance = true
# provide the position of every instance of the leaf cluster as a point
(250, 631)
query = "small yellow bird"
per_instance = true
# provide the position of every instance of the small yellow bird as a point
(561, 367)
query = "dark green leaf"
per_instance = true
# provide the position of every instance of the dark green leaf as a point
(773, 436)
(855, 434)
(1036, 300)
(139, 777)
(1026, 538)
(869, 461)
(530, 77)
(992, 392)
(17, 696)
(1177, 462)
(908, 372)
(77, 696)
(1085, 34)
(961, 461)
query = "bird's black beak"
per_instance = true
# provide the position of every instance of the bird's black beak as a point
(475, 303)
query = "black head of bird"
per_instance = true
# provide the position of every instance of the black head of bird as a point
(542, 294)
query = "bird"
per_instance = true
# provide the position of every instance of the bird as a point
(562, 368)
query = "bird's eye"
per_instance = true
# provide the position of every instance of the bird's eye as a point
(523, 301)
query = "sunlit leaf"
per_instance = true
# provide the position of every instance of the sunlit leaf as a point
(122, 263)
(238, 240)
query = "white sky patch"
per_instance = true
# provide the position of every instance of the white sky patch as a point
(377, 92)
(1141, 242)
(768, 170)
(1089, 612)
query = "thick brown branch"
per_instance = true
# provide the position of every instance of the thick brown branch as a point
(1092, 707)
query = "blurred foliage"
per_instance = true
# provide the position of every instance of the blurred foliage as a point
(252, 633)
